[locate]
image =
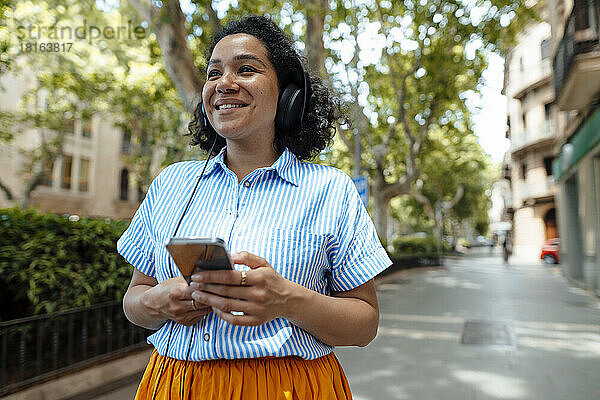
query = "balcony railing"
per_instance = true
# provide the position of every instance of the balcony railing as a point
(537, 189)
(38, 348)
(521, 80)
(580, 36)
(530, 136)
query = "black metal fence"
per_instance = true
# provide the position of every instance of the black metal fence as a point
(39, 348)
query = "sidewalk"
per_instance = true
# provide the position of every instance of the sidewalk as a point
(539, 338)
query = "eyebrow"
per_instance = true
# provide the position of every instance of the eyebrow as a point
(239, 57)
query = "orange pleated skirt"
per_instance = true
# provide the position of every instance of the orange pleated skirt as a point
(269, 378)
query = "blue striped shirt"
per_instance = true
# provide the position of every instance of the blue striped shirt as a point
(306, 220)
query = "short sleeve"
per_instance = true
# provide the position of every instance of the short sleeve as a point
(137, 244)
(358, 255)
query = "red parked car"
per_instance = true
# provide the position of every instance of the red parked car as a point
(550, 251)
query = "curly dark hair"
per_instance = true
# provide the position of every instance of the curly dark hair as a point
(306, 139)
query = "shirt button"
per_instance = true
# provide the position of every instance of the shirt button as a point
(247, 184)
(206, 337)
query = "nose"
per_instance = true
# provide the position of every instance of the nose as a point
(226, 84)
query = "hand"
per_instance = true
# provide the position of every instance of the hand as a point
(172, 299)
(264, 297)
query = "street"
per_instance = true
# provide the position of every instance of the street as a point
(533, 336)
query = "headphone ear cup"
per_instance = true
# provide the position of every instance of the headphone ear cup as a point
(289, 107)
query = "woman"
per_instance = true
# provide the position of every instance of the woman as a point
(304, 247)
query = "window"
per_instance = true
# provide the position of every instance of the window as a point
(70, 126)
(523, 171)
(548, 165)
(84, 171)
(126, 141)
(124, 184)
(86, 128)
(545, 48)
(548, 111)
(144, 143)
(582, 15)
(67, 166)
(47, 172)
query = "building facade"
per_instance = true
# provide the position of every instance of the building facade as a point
(531, 130)
(91, 178)
(576, 67)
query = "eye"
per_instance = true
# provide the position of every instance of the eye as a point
(246, 68)
(213, 73)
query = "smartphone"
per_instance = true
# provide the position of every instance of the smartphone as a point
(192, 254)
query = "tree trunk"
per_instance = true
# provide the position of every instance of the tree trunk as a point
(316, 10)
(177, 56)
(380, 207)
(437, 232)
(169, 25)
(381, 204)
(7, 191)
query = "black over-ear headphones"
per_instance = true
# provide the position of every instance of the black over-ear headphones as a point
(292, 104)
(294, 101)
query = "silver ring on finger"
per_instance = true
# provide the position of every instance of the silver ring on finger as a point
(194, 304)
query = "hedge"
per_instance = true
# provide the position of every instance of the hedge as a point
(49, 263)
(403, 246)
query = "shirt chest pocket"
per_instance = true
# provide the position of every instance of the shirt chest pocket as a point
(298, 256)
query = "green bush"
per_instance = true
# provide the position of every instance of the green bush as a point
(49, 263)
(406, 245)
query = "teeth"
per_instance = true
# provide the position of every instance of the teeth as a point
(226, 106)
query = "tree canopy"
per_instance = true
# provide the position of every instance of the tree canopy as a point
(402, 67)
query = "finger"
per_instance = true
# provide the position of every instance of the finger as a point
(220, 277)
(192, 318)
(225, 304)
(251, 260)
(241, 320)
(236, 292)
(195, 313)
(180, 291)
(183, 307)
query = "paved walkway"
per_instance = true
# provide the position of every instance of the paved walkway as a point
(546, 335)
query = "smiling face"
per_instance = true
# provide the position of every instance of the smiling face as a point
(241, 90)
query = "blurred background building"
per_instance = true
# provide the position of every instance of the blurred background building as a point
(532, 133)
(576, 66)
(91, 177)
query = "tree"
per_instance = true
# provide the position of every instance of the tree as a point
(430, 54)
(459, 191)
(425, 56)
(462, 182)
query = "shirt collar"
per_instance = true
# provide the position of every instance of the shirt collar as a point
(287, 165)
(213, 162)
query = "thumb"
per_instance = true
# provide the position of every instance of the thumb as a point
(251, 260)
